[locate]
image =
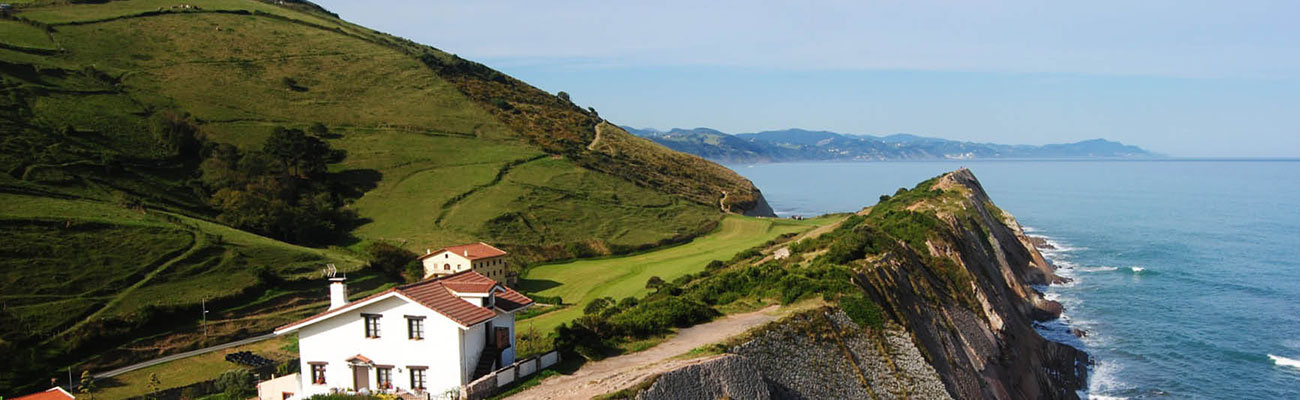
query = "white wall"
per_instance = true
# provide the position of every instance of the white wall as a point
(340, 337)
(435, 263)
(274, 389)
(472, 343)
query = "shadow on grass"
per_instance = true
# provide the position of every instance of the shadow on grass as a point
(537, 285)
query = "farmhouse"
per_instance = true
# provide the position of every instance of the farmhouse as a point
(423, 338)
(479, 257)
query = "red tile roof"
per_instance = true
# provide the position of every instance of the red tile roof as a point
(471, 251)
(436, 294)
(55, 393)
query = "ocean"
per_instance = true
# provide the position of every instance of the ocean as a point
(1186, 273)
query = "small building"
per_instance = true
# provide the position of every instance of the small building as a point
(54, 393)
(431, 337)
(6, 8)
(480, 257)
(281, 388)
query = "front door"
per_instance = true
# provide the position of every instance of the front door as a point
(360, 377)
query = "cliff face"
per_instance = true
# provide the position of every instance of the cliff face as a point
(991, 351)
(952, 277)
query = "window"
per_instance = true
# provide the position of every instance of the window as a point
(318, 373)
(372, 325)
(414, 327)
(417, 377)
(446, 267)
(384, 376)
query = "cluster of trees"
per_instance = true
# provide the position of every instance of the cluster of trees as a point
(283, 191)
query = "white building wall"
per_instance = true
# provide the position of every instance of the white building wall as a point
(472, 346)
(436, 263)
(340, 337)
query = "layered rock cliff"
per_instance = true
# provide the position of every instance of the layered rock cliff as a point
(953, 278)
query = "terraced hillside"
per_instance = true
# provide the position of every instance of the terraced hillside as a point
(112, 114)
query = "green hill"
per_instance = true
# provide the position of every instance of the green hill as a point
(113, 113)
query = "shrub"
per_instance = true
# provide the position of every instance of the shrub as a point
(714, 265)
(655, 282)
(391, 260)
(863, 311)
(236, 383)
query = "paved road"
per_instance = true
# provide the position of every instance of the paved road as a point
(178, 356)
(611, 374)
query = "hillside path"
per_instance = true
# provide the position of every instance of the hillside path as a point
(178, 356)
(612, 374)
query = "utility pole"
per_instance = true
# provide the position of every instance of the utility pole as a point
(204, 304)
(70, 387)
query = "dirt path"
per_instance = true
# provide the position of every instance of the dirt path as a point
(600, 377)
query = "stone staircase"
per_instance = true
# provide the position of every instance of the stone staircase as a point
(487, 362)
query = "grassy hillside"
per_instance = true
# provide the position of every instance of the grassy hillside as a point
(111, 235)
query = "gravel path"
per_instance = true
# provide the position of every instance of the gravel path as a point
(611, 374)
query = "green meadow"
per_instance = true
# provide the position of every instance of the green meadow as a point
(579, 282)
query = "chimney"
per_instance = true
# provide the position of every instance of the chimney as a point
(428, 251)
(466, 253)
(338, 293)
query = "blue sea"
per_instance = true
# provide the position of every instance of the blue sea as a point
(1186, 273)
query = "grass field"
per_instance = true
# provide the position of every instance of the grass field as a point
(188, 371)
(581, 281)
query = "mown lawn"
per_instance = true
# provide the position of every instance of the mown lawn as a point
(581, 281)
(24, 35)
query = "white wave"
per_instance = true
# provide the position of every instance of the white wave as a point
(1283, 361)
(1098, 269)
(1137, 269)
(1105, 377)
(1028, 229)
(1105, 397)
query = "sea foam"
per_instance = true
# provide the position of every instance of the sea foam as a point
(1283, 361)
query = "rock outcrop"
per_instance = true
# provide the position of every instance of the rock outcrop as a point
(959, 301)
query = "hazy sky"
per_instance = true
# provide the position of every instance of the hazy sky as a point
(1185, 78)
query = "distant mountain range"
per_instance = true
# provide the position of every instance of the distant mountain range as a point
(805, 145)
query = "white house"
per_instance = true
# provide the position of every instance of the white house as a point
(426, 337)
(479, 257)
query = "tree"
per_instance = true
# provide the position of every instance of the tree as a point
(563, 97)
(299, 154)
(154, 386)
(175, 133)
(235, 383)
(87, 384)
(390, 259)
(318, 129)
(654, 282)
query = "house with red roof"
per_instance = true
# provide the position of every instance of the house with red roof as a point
(54, 393)
(479, 257)
(422, 338)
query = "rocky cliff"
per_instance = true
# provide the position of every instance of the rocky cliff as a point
(952, 280)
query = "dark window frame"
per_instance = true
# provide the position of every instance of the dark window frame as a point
(418, 377)
(384, 376)
(317, 373)
(372, 325)
(414, 327)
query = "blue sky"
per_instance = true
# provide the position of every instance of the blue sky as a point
(1185, 78)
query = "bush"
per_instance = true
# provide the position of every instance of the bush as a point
(863, 311)
(236, 383)
(391, 260)
(714, 265)
(654, 282)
